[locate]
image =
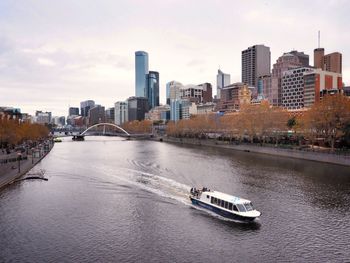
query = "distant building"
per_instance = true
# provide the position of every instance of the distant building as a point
(121, 112)
(85, 106)
(233, 96)
(317, 83)
(110, 115)
(159, 113)
(293, 88)
(207, 95)
(256, 62)
(73, 111)
(203, 108)
(153, 89)
(201, 93)
(302, 57)
(175, 109)
(97, 115)
(330, 62)
(222, 80)
(174, 88)
(60, 121)
(137, 107)
(141, 71)
(43, 117)
(10, 113)
(272, 89)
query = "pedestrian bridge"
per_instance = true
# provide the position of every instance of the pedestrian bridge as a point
(81, 135)
(104, 124)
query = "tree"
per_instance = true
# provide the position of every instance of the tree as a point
(327, 118)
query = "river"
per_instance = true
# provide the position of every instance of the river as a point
(112, 200)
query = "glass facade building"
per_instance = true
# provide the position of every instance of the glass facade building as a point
(153, 89)
(141, 72)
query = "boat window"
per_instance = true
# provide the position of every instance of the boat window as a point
(241, 208)
(229, 206)
(235, 208)
(212, 200)
(249, 207)
(226, 205)
(207, 196)
(215, 200)
(222, 203)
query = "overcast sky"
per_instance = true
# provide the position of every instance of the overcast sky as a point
(57, 53)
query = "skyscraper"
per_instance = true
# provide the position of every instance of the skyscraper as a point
(141, 71)
(222, 80)
(153, 89)
(85, 106)
(73, 111)
(256, 62)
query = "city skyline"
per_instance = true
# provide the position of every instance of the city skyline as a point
(47, 63)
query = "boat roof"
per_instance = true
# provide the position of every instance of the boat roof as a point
(227, 197)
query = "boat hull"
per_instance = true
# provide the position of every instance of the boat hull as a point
(221, 212)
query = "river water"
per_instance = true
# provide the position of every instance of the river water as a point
(113, 200)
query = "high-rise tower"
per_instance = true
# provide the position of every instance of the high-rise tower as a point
(141, 71)
(153, 89)
(222, 80)
(256, 62)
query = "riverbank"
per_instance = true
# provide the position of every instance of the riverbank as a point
(275, 151)
(11, 171)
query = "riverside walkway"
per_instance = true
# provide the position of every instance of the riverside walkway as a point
(12, 170)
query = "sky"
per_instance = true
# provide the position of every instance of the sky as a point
(55, 54)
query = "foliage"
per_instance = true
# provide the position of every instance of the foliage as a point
(13, 132)
(144, 126)
(327, 119)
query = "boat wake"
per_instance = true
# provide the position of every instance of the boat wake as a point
(153, 183)
(164, 187)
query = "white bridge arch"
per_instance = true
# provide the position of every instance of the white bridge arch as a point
(105, 124)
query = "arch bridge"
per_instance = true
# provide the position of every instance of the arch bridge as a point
(80, 137)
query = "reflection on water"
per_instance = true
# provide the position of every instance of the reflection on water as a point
(108, 199)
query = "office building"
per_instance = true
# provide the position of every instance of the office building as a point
(293, 88)
(73, 111)
(59, 121)
(207, 93)
(96, 115)
(141, 72)
(43, 117)
(137, 107)
(272, 89)
(330, 62)
(256, 62)
(318, 83)
(175, 109)
(222, 80)
(121, 112)
(85, 106)
(110, 115)
(234, 95)
(302, 58)
(159, 113)
(153, 89)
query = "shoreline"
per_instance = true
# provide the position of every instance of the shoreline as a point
(12, 175)
(273, 151)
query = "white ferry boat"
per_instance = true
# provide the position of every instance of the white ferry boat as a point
(223, 204)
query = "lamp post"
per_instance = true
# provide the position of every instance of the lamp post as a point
(19, 161)
(32, 155)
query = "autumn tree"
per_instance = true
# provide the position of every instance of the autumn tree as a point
(328, 118)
